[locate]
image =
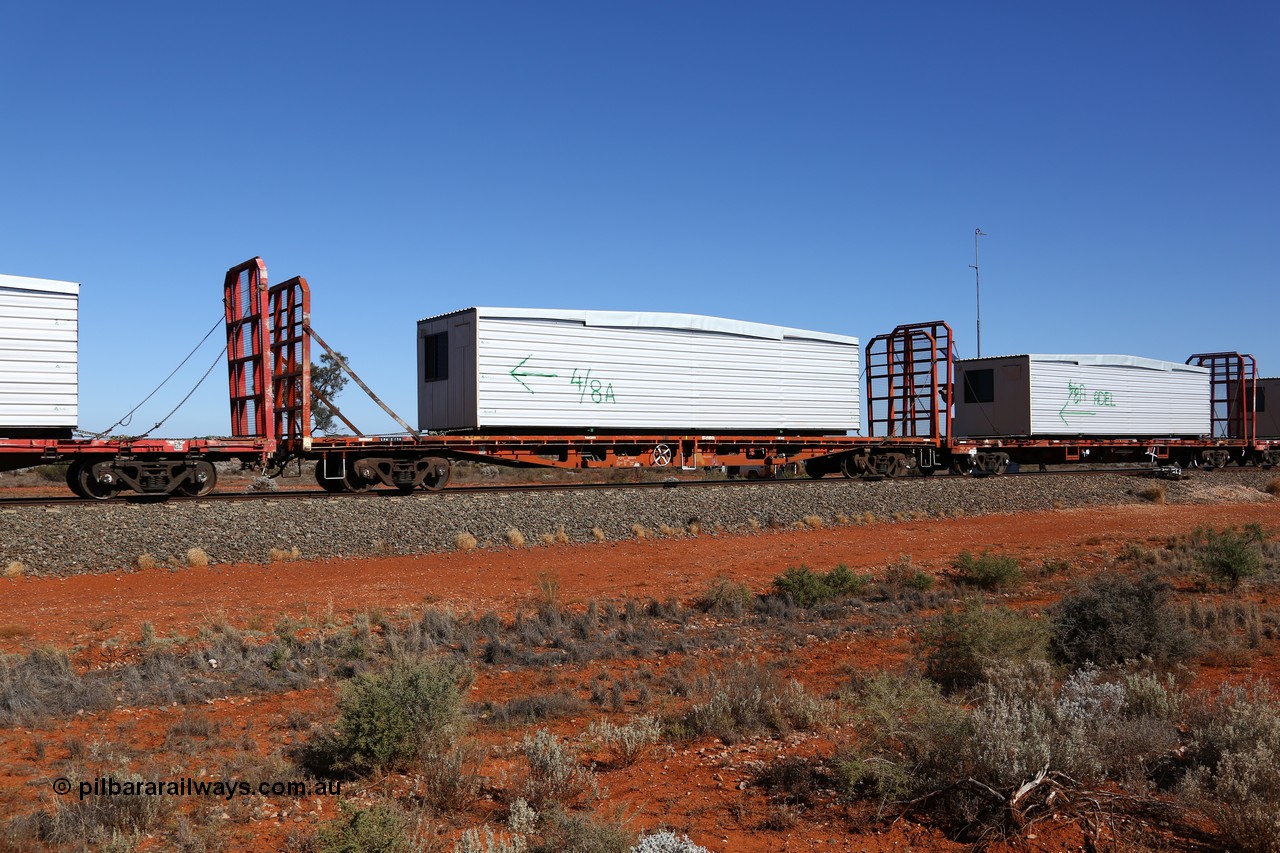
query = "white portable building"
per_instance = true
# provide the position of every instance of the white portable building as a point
(1104, 396)
(38, 363)
(563, 371)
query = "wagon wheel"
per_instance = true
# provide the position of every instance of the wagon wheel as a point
(852, 466)
(202, 480)
(661, 456)
(897, 466)
(1001, 465)
(353, 482)
(88, 486)
(73, 477)
(961, 466)
(438, 473)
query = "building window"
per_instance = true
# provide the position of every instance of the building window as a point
(435, 357)
(980, 386)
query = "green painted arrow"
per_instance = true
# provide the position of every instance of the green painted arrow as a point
(516, 373)
(1064, 411)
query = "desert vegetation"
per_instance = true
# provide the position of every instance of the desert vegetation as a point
(980, 699)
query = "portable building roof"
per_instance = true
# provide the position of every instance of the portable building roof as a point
(655, 320)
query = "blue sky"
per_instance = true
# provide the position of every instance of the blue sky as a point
(820, 165)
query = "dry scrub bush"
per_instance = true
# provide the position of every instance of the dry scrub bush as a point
(667, 842)
(197, 558)
(902, 574)
(1272, 487)
(1236, 759)
(726, 598)
(1113, 619)
(753, 524)
(747, 698)
(598, 534)
(812, 521)
(14, 569)
(561, 537)
(43, 682)
(961, 645)
(1005, 759)
(695, 527)
(101, 822)
(629, 741)
(284, 555)
(1155, 493)
(640, 531)
(145, 561)
(553, 773)
(515, 538)
(464, 541)
(667, 530)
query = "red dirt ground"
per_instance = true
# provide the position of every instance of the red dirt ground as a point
(693, 788)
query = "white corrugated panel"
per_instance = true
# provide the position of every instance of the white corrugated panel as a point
(1117, 395)
(38, 344)
(624, 371)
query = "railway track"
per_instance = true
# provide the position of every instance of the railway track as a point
(384, 494)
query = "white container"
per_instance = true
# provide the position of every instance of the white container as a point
(1104, 396)
(563, 371)
(38, 363)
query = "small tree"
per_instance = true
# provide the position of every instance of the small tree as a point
(327, 379)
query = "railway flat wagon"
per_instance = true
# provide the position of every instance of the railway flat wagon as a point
(1080, 395)
(38, 357)
(522, 370)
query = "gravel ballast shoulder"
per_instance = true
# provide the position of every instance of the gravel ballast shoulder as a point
(78, 539)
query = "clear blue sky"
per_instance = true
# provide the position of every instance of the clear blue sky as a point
(819, 165)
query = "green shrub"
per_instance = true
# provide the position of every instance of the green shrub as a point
(390, 718)
(960, 645)
(1228, 556)
(843, 583)
(802, 585)
(908, 735)
(806, 587)
(377, 829)
(986, 570)
(1114, 619)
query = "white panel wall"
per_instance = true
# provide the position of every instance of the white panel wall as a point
(1117, 399)
(38, 343)
(562, 374)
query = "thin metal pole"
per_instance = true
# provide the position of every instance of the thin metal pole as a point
(977, 284)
